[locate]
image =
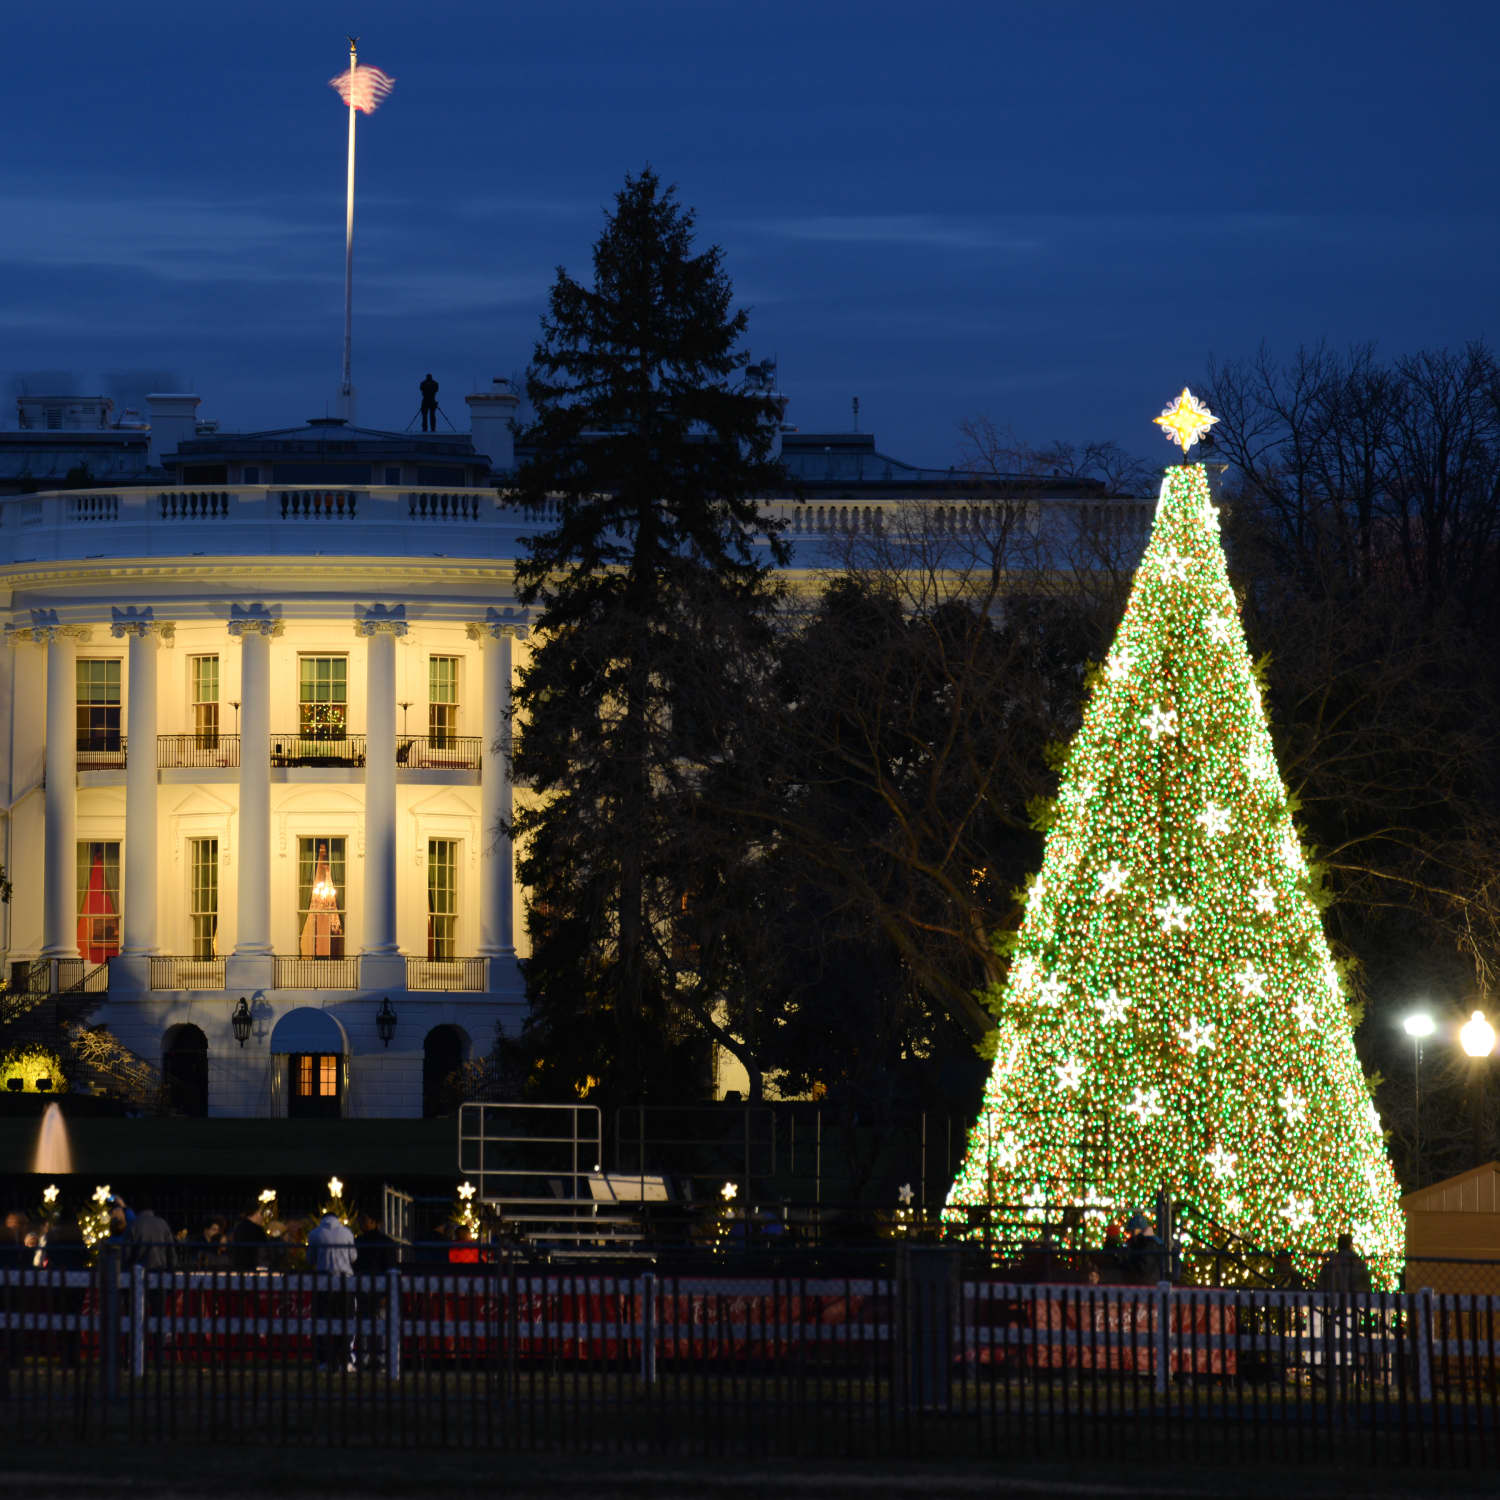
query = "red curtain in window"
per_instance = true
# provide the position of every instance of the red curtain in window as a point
(98, 940)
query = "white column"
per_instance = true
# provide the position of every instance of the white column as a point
(60, 844)
(497, 938)
(380, 784)
(139, 936)
(253, 935)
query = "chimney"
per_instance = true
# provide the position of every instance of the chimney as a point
(173, 419)
(490, 414)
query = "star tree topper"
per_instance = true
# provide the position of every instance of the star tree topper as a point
(1185, 420)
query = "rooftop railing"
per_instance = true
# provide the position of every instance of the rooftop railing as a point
(392, 520)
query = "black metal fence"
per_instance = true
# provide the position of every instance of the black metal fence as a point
(911, 1357)
(447, 973)
(184, 972)
(326, 748)
(290, 972)
(177, 752)
(439, 752)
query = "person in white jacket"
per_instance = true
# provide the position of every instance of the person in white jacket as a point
(330, 1246)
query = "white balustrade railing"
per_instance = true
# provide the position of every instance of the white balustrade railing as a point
(381, 519)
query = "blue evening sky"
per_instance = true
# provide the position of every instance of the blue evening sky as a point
(1046, 212)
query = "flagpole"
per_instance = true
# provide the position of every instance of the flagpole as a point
(346, 389)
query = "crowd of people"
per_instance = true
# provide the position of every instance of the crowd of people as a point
(1136, 1254)
(249, 1242)
(255, 1241)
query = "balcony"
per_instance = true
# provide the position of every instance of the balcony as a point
(196, 752)
(447, 974)
(439, 752)
(315, 973)
(177, 972)
(317, 749)
(101, 752)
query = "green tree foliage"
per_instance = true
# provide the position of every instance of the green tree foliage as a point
(655, 598)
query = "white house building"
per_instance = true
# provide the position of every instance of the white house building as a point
(253, 764)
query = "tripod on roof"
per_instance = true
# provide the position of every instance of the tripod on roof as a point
(417, 415)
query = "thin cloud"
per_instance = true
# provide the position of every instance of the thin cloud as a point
(897, 229)
(166, 236)
(1031, 233)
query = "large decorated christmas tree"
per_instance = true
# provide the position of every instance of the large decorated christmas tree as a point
(1172, 1016)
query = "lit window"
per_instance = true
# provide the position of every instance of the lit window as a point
(203, 896)
(321, 895)
(315, 1075)
(442, 700)
(98, 899)
(98, 703)
(442, 898)
(323, 696)
(204, 673)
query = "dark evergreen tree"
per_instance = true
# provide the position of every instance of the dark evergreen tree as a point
(655, 598)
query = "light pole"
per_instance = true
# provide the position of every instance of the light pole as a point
(1418, 1026)
(1477, 1037)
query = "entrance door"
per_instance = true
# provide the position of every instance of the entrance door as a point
(316, 1086)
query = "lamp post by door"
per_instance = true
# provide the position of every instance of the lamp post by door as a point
(1418, 1026)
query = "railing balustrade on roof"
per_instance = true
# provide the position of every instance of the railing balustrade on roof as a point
(379, 520)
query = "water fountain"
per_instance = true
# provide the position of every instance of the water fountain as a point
(54, 1156)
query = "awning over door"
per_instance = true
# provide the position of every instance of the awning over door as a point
(308, 1029)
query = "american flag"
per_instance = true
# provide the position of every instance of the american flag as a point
(364, 87)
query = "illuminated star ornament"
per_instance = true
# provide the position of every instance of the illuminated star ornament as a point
(1173, 915)
(1185, 420)
(1197, 1035)
(1112, 1007)
(1069, 1074)
(1052, 991)
(1161, 721)
(1213, 820)
(1221, 1162)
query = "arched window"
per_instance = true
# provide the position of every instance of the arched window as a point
(184, 1071)
(443, 1053)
